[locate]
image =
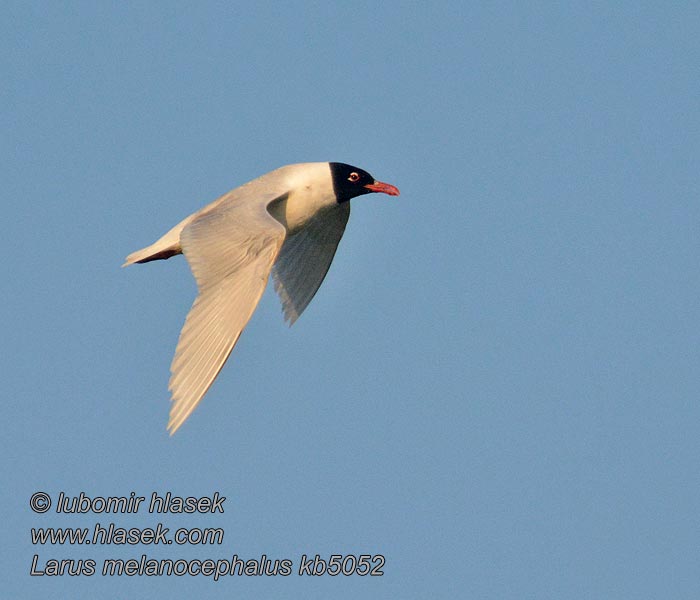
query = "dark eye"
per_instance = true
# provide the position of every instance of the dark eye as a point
(354, 177)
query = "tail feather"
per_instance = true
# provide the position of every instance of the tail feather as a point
(165, 247)
(150, 253)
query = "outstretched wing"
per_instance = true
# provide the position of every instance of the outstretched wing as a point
(230, 247)
(305, 257)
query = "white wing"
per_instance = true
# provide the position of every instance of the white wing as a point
(230, 246)
(305, 258)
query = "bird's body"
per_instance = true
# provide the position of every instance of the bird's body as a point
(288, 222)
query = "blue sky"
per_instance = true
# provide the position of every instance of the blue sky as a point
(496, 387)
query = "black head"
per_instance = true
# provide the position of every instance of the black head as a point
(349, 182)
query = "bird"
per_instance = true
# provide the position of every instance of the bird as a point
(284, 225)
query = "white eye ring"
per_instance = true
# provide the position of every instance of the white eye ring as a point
(354, 177)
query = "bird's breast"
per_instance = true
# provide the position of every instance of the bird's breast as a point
(297, 208)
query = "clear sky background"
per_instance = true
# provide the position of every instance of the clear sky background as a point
(496, 387)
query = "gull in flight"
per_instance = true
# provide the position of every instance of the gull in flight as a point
(288, 223)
